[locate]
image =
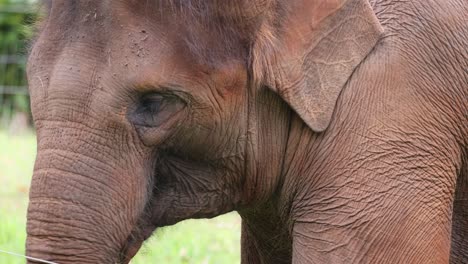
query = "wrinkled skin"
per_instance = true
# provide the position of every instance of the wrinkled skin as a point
(337, 129)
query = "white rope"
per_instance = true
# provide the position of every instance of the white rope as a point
(26, 257)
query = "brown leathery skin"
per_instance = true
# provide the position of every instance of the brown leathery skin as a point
(338, 129)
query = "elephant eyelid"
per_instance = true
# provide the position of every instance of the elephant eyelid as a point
(154, 109)
(165, 90)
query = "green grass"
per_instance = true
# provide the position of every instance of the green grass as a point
(192, 241)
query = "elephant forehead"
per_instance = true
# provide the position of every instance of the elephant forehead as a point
(90, 49)
(196, 20)
(113, 34)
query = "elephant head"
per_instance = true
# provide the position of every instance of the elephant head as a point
(152, 112)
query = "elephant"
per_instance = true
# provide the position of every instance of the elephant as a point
(337, 129)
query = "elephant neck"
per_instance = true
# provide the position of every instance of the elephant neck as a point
(268, 220)
(266, 236)
(280, 147)
(265, 145)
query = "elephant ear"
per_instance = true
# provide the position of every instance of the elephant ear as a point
(319, 43)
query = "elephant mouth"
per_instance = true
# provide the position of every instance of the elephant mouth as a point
(151, 218)
(129, 251)
(134, 242)
(142, 230)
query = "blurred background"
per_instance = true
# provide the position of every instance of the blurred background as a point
(192, 241)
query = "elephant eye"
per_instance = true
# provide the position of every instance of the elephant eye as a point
(151, 104)
(154, 109)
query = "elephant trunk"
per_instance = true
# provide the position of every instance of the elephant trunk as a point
(84, 202)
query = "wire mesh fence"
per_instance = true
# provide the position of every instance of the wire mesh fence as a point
(16, 18)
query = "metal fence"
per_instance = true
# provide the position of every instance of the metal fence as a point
(14, 31)
(17, 62)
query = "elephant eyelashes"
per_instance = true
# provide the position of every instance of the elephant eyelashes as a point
(155, 109)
